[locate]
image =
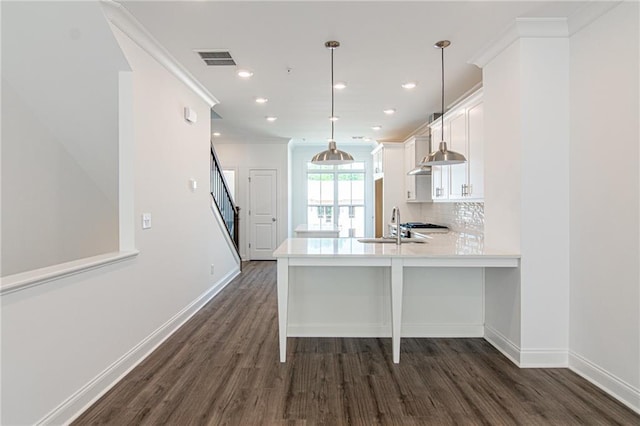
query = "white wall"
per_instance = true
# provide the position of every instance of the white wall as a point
(544, 237)
(62, 335)
(560, 106)
(60, 67)
(301, 155)
(501, 81)
(248, 155)
(502, 205)
(605, 194)
(526, 98)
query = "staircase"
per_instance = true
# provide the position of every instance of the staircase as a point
(223, 201)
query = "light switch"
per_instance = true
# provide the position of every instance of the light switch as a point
(190, 115)
(193, 184)
(146, 220)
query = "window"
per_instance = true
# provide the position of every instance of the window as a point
(335, 194)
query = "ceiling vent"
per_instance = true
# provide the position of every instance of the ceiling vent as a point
(216, 58)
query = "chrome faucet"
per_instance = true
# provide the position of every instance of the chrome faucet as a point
(395, 218)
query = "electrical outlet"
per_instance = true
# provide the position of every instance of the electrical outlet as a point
(212, 269)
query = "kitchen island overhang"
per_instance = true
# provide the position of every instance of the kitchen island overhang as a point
(390, 262)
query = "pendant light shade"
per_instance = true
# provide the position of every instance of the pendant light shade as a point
(332, 156)
(420, 171)
(442, 156)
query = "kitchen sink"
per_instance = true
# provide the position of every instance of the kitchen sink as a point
(392, 240)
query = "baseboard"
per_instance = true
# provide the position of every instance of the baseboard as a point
(384, 330)
(82, 399)
(526, 358)
(338, 330)
(442, 330)
(617, 388)
(544, 358)
(503, 344)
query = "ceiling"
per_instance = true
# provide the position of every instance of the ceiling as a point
(383, 44)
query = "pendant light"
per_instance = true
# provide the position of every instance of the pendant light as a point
(332, 155)
(442, 156)
(420, 171)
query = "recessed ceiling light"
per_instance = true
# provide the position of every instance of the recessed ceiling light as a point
(376, 128)
(216, 134)
(340, 85)
(409, 85)
(271, 118)
(334, 118)
(389, 111)
(367, 139)
(262, 100)
(244, 73)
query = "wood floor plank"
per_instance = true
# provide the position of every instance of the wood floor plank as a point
(222, 368)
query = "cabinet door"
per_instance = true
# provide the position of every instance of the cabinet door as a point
(458, 143)
(476, 152)
(377, 164)
(409, 164)
(439, 174)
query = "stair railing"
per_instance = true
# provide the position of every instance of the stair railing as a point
(224, 202)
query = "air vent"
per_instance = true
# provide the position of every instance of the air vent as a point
(216, 58)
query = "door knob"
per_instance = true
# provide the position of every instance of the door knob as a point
(273, 219)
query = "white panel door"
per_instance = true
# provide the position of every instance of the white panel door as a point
(263, 219)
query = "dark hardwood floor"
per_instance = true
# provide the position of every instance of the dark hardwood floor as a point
(222, 368)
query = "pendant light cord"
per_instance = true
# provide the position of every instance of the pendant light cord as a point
(442, 116)
(332, 90)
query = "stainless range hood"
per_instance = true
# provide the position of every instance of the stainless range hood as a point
(420, 170)
(425, 170)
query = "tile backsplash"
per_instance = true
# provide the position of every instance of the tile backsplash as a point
(464, 217)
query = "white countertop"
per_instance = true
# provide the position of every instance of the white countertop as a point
(449, 245)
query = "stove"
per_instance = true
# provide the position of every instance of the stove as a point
(407, 228)
(411, 225)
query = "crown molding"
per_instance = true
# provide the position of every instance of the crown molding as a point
(119, 16)
(542, 28)
(521, 28)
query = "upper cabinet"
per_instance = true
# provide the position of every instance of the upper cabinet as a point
(378, 162)
(417, 187)
(439, 174)
(464, 133)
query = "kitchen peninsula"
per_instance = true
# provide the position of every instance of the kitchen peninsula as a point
(339, 287)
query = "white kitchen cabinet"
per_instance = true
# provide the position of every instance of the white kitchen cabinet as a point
(417, 187)
(464, 133)
(458, 142)
(378, 163)
(439, 174)
(475, 118)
